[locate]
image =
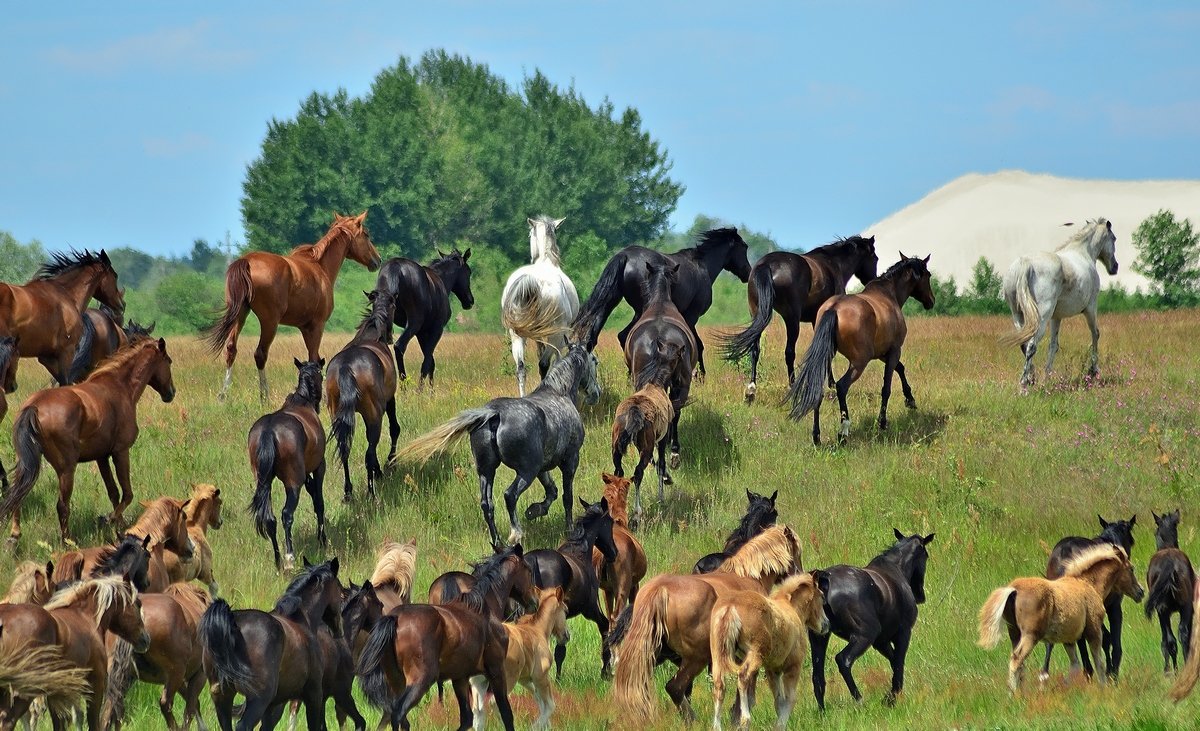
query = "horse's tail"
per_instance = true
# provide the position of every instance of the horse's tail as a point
(239, 291)
(726, 631)
(377, 661)
(225, 649)
(991, 616)
(605, 296)
(121, 674)
(809, 387)
(735, 346)
(445, 436)
(264, 471)
(635, 671)
(1019, 293)
(1191, 668)
(27, 443)
(1162, 592)
(527, 313)
(82, 362)
(627, 425)
(341, 428)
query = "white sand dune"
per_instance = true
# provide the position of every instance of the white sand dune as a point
(1006, 214)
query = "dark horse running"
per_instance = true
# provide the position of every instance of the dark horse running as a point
(422, 295)
(626, 274)
(760, 515)
(795, 286)
(1169, 581)
(9, 358)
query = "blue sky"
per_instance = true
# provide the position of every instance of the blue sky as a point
(132, 123)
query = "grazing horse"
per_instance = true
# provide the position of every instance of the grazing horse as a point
(620, 576)
(296, 289)
(626, 273)
(203, 511)
(1065, 610)
(93, 421)
(1048, 287)
(795, 286)
(872, 607)
(760, 515)
(749, 632)
(532, 434)
(109, 336)
(37, 672)
(644, 420)
(9, 358)
(539, 300)
(672, 612)
(1169, 581)
(422, 296)
(47, 313)
(290, 444)
(863, 327)
(362, 380)
(31, 584)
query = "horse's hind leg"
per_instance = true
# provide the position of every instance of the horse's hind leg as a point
(791, 335)
(889, 367)
(66, 485)
(1030, 349)
(291, 498)
(1169, 648)
(110, 485)
(843, 388)
(518, 353)
(428, 345)
(1185, 628)
(818, 645)
(845, 661)
(374, 430)
(1094, 362)
(265, 338)
(679, 687)
(315, 485)
(539, 509)
(402, 345)
(231, 354)
(120, 461)
(1052, 348)
(909, 401)
(1017, 661)
(393, 427)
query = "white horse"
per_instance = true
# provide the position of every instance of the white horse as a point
(1050, 286)
(539, 300)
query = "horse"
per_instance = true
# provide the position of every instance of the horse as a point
(1169, 581)
(625, 275)
(671, 615)
(1118, 533)
(28, 672)
(296, 289)
(46, 314)
(1186, 680)
(31, 584)
(644, 420)
(9, 359)
(620, 576)
(1048, 287)
(93, 421)
(795, 286)
(766, 633)
(532, 434)
(203, 511)
(109, 334)
(570, 566)
(362, 379)
(872, 607)
(510, 589)
(1063, 611)
(393, 575)
(760, 515)
(290, 444)
(863, 327)
(422, 296)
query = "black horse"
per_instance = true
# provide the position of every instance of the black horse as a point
(1118, 533)
(1169, 582)
(760, 514)
(422, 295)
(571, 568)
(625, 274)
(872, 607)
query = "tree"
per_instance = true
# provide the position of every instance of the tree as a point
(18, 261)
(983, 292)
(203, 256)
(1168, 253)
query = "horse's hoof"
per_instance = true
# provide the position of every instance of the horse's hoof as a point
(751, 390)
(289, 562)
(667, 479)
(910, 403)
(535, 511)
(348, 497)
(883, 425)
(673, 462)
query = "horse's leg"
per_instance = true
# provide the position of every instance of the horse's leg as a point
(1030, 348)
(818, 645)
(518, 352)
(568, 468)
(265, 338)
(816, 432)
(428, 343)
(592, 611)
(843, 387)
(1096, 645)
(700, 372)
(110, 485)
(166, 700)
(393, 428)
(1017, 661)
(545, 355)
(675, 448)
(290, 500)
(537, 510)
(897, 659)
(66, 485)
(120, 460)
(1186, 611)
(493, 671)
(1073, 656)
(479, 691)
(1094, 362)
(315, 485)
(487, 475)
(1052, 348)
(664, 477)
(231, 354)
(223, 704)
(718, 693)
(312, 340)
(791, 335)
(845, 659)
(785, 685)
(889, 367)
(1112, 638)
(374, 428)
(402, 345)
(1168, 646)
(191, 700)
(462, 694)
(752, 386)
(909, 401)
(679, 687)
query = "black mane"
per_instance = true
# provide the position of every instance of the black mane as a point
(291, 604)
(750, 526)
(61, 263)
(376, 316)
(488, 573)
(914, 263)
(717, 237)
(835, 246)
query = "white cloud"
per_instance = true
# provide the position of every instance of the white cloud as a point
(192, 47)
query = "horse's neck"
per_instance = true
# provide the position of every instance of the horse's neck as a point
(80, 285)
(200, 514)
(1162, 542)
(712, 261)
(132, 380)
(1102, 576)
(543, 621)
(334, 254)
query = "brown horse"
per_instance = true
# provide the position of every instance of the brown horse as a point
(203, 511)
(296, 290)
(1060, 611)
(643, 420)
(673, 612)
(1169, 581)
(31, 584)
(393, 575)
(863, 327)
(619, 577)
(109, 334)
(47, 313)
(94, 421)
(9, 358)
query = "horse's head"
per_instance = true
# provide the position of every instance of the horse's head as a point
(10, 356)
(867, 267)
(1166, 530)
(913, 556)
(459, 279)
(107, 290)
(361, 249)
(1106, 250)
(309, 380)
(737, 260)
(360, 610)
(518, 574)
(552, 604)
(589, 376)
(319, 593)
(134, 329)
(616, 492)
(130, 557)
(596, 523)
(922, 286)
(762, 508)
(543, 237)
(808, 600)
(120, 611)
(206, 506)
(160, 373)
(1118, 532)
(1126, 581)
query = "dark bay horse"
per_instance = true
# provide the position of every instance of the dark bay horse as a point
(110, 333)
(289, 444)
(511, 588)
(1169, 581)
(9, 358)
(863, 327)
(296, 289)
(795, 286)
(362, 380)
(422, 295)
(94, 421)
(625, 275)
(47, 313)
(532, 434)
(872, 607)
(760, 515)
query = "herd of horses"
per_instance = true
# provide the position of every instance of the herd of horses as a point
(75, 634)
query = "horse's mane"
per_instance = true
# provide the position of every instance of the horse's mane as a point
(201, 492)
(1086, 232)
(576, 540)
(135, 330)
(894, 270)
(750, 526)
(24, 583)
(617, 495)
(716, 237)
(775, 551)
(340, 227)
(561, 376)
(61, 263)
(8, 350)
(550, 248)
(109, 557)
(488, 573)
(194, 599)
(302, 395)
(120, 359)
(289, 604)
(157, 517)
(835, 247)
(108, 590)
(543, 606)
(446, 260)
(1089, 557)
(376, 316)
(396, 566)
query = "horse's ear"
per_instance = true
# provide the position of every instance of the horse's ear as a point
(926, 259)
(584, 503)
(144, 503)
(1103, 522)
(821, 579)
(321, 362)
(1176, 513)
(49, 569)
(307, 563)
(296, 360)
(902, 256)
(604, 504)
(1157, 517)
(146, 541)
(1133, 520)
(337, 216)
(927, 539)
(369, 295)
(184, 504)
(773, 496)
(333, 565)
(531, 222)
(899, 535)
(517, 550)
(361, 217)
(440, 252)
(467, 254)
(104, 256)
(749, 495)
(559, 222)
(162, 344)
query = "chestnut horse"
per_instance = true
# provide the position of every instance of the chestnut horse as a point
(94, 421)
(31, 584)
(9, 358)
(643, 420)
(203, 511)
(47, 313)
(620, 576)
(296, 289)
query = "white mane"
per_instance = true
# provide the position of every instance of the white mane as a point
(543, 239)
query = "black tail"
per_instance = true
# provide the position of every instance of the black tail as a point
(27, 441)
(225, 649)
(618, 630)
(605, 297)
(736, 346)
(82, 362)
(1162, 592)
(378, 657)
(239, 289)
(342, 427)
(264, 468)
(808, 390)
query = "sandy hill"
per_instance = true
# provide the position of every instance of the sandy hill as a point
(1003, 215)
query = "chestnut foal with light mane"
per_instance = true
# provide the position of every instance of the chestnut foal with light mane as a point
(203, 511)
(620, 577)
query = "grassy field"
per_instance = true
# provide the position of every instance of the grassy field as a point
(997, 474)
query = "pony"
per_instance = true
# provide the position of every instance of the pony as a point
(94, 421)
(872, 607)
(9, 358)
(620, 576)
(1048, 287)
(290, 444)
(46, 314)
(766, 633)
(296, 289)
(28, 672)
(110, 334)
(760, 515)
(203, 511)
(532, 434)
(31, 584)
(863, 327)
(1169, 581)
(362, 379)
(392, 578)
(422, 296)
(672, 613)
(539, 300)
(795, 286)
(1063, 611)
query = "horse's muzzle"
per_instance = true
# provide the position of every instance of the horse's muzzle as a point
(169, 396)
(143, 642)
(1112, 270)
(375, 264)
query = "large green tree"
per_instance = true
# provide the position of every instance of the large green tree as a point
(18, 261)
(1168, 254)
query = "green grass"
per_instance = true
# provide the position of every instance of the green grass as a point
(997, 474)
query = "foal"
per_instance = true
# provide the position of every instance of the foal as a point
(203, 511)
(1169, 581)
(619, 577)
(643, 420)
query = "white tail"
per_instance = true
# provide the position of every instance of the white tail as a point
(991, 617)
